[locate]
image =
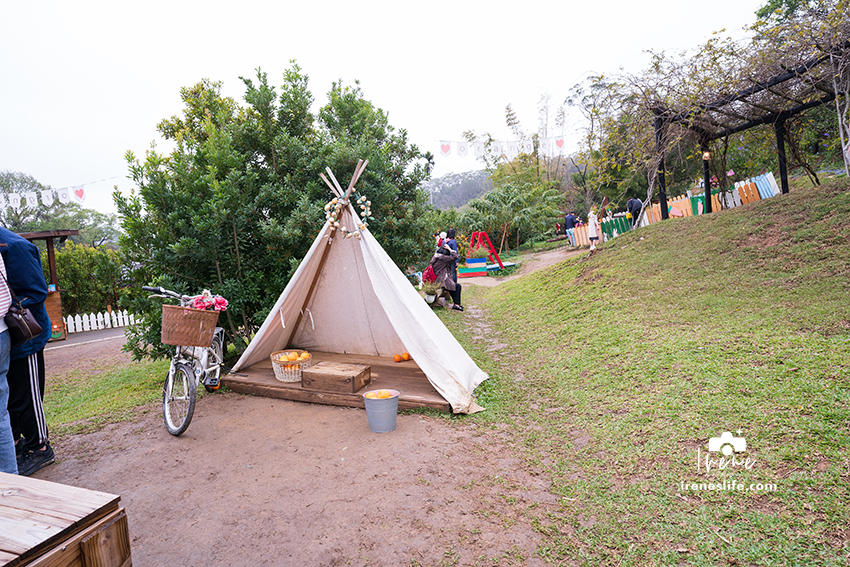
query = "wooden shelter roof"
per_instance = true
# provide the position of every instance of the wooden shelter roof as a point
(767, 96)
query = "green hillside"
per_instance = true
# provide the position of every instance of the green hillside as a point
(622, 365)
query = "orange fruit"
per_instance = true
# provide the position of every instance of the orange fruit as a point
(292, 356)
(397, 357)
(371, 395)
(383, 394)
(405, 356)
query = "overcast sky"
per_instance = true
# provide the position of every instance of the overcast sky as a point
(83, 82)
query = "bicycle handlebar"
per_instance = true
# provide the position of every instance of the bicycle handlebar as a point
(166, 292)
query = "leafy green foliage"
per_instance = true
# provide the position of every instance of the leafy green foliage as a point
(780, 9)
(239, 201)
(89, 277)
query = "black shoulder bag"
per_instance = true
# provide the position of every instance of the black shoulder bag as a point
(20, 320)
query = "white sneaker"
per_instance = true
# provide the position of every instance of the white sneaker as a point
(593, 247)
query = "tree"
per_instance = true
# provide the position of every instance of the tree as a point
(780, 9)
(690, 96)
(96, 229)
(512, 209)
(238, 202)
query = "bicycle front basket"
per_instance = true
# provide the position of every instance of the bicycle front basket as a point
(182, 326)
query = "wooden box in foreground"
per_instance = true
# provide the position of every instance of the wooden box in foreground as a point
(44, 524)
(336, 377)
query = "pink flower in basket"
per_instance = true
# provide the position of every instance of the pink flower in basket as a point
(207, 301)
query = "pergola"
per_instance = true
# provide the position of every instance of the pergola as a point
(771, 100)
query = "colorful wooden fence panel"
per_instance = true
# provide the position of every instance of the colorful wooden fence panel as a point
(744, 192)
(580, 236)
(96, 321)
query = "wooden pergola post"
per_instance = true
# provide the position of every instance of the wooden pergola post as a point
(706, 176)
(659, 148)
(779, 128)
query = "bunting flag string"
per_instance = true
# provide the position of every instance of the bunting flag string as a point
(498, 148)
(75, 194)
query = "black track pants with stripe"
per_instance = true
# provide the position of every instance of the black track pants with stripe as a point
(26, 391)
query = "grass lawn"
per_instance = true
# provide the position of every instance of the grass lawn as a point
(80, 401)
(620, 367)
(624, 364)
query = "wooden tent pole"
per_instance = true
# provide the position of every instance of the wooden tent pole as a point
(329, 184)
(330, 236)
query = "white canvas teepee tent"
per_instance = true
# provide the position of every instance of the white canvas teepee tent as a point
(348, 296)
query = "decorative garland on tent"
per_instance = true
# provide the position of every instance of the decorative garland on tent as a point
(334, 207)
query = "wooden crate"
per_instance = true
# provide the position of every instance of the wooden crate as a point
(44, 524)
(336, 377)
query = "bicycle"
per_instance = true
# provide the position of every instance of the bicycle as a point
(190, 366)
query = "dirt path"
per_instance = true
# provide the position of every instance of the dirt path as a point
(257, 481)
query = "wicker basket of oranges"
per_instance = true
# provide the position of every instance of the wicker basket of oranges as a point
(287, 364)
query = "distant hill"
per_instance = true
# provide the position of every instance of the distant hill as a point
(457, 189)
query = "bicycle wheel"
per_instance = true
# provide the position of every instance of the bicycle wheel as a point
(215, 357)
(178, 398)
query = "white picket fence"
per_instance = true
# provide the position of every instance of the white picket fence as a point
(96, 321)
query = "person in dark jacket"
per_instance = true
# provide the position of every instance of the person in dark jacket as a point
(26, 367)
(450, 239)
(634, 206)
(569, 226)
(443, 264)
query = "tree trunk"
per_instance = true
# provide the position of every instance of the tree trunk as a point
(842, 113)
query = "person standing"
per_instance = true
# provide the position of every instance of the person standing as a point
(569, 225)
(450, 240)
(592, 228)
(634, 207)
(8, 460)
(442, 263)
(26, 367)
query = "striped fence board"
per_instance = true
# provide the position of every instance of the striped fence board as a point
(96, 321)
(580, 236)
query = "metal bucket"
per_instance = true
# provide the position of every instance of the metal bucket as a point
(382, 413)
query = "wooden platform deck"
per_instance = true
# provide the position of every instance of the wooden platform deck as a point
(406, 377)
(53, 525)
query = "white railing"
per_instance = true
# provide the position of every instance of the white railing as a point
(96, 321)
